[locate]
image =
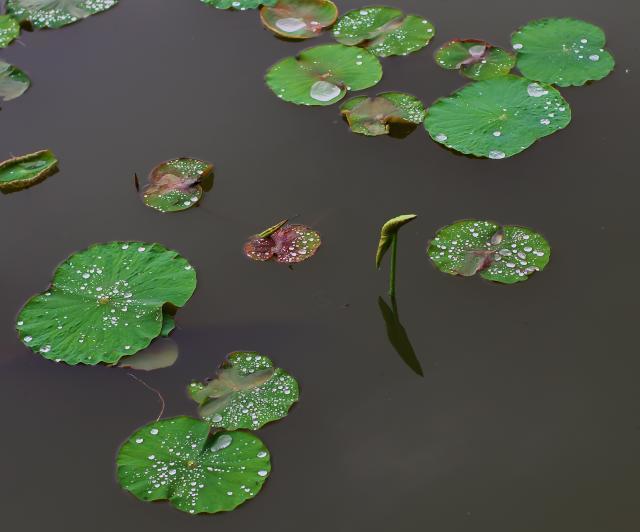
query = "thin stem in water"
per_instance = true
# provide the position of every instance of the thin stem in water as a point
(392, 274)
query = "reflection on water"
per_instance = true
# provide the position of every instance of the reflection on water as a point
(398, 335)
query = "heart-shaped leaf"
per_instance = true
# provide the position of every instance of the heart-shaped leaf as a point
(247, 393)
(508, 254)
(287, 244)
(384, 31)
(178, 460)
(27, 170)
(240, 5)
(13, 82)
(498, 117)
(106, 302)
(322, 75)
(384, 113)
(299, 19)
(475, 59)
(56, 13)
(563, 51)
(388, 231)
(175, 185)
(9, 30)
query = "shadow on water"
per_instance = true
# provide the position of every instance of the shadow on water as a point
(398, 335)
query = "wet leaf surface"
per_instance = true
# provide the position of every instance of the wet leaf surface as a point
(299, 19)
(475, 59)
(13, 82)
(240, 5)
(56, 13)
(9, 30)
(27, 170)
(388, 231)
(287, 244)
(162, 353)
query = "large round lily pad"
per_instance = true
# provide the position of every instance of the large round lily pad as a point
(13, 82)
(299, 19)
(384, 31)
(27, 170)
(322, 75)
(475, 59)
(498, 117)
(508, 254)
(106, 302)
(9, 30)
(247, 393)
(56, 13)
(178, 460)
(562, 51)
(287, 244)
(240, 5)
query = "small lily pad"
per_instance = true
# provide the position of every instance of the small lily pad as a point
(475, 59)
(13, 82)
(299, 19)
(508, 254)
(240, 5)
(287, 244)
(9, 30)
(162, 353)
(175, 185)
(498, 117)
(322, 75)
(27, 170)
(389, 113)
(562, 51)
(384, 31)
(56, 13)
(247, 393)
(106, 302)
(179, 460)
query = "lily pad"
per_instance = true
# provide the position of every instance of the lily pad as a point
(389, 113)
(475, 59)
(179, 460)
(508, 254)
(9, 30)
(106, 302)
(384, 31)
(247, 393)
(498, 117)
(322, 75)
(176, 185)
(240, 5)
(13, 82)
(388, 232)
(56, 13)
(299, 19)
(27, 170)
(562, 51)
(287, 244)
(162, 353)
(168, 323)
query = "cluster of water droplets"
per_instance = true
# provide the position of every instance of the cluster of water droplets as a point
(48, 14)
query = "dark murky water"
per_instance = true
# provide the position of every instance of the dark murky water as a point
(528, 416)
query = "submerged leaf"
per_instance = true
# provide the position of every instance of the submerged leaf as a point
(179, 460)
(162, 353)
(497, 118)
(13, 82)
(106, 302)
(287, 244)
(379, 115)
(240, 5)
(299, 19)
(388, 231)
(247, 393)
(27, 170)
(9, 30)
(385, 31)
(562, 51)
(56, 13)
(322, 75)
(475, 59)
(508, 254)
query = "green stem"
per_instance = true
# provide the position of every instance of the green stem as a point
(392, 275)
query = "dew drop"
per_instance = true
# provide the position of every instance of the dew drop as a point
(223, 441)
(495, 154)
(323, 91)
(263, 473)
(594, 57)
(441, 137)
(290, 24)
(535, 90)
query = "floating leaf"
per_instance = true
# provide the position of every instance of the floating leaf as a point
(323, 75)
(27, 170)
(386, 114)
(247, 393)
(240, 5)
(475, 59)
(506, 254)
(162, 353)
(389, 231)
(106, 302)
(286, 243)
(9, 30)
(13, 82)
(175, 185)
(56, 13)
(398, 335)
(498, 117)
(299, 19)
(563, 51)
(383, 30)
(178, 460)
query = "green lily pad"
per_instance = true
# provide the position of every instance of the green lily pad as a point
(168, 323)
(384, 31)
(475, 59)
(13, 82)
(27, 170)
(388, 232)
(322, 75)
(287, 244)
(56, 13)
(176, 185)
(562, 51)
(498, 117)
(247, 393)
(389, 113)
(240, 5)
(162, 353)
(179, 460)
(9, 30)
(299, 19)
(508, 254)
(106, 302)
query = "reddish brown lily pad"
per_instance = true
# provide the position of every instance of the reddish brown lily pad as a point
(299, 19)
(287, 244)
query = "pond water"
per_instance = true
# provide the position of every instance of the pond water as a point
(528, 414)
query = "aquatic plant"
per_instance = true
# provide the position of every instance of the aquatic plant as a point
(25, 171)
(299, 19)
(55, 13)
(13, 82)
(287, 244)
(389, 239)
(9, 30)
(475, 59)
(240, 5)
